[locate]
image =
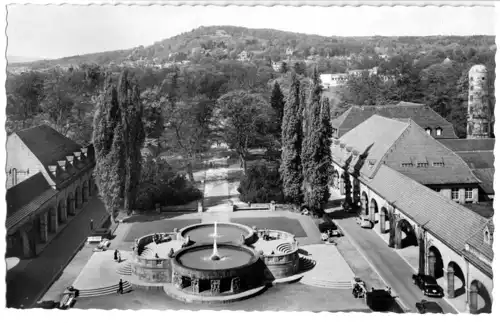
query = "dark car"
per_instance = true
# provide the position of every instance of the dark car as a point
(424, 307)
(428, 285)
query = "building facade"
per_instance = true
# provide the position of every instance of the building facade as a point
(58, 186)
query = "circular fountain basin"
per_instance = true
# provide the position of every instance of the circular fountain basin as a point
(229, 257)
(203, 233)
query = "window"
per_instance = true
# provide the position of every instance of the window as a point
(471, 97)
(439, 131)
(454, 194)
(468, 193)
(438, 190)
(428, 130)
(486, 236)
(422, 164)
(438, 164)
(407, 164)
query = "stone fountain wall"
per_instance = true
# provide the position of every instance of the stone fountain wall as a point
(281, 265)
(151, 270)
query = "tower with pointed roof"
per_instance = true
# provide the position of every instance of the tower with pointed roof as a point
(478, 112)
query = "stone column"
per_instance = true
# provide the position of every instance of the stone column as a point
(450, 283)
(25, 239)
(44, 227)
(473, 299)
(77, 199)
(431, 260)
(53, 220)
(90, 187)
(72, 202)
(215, 286)
(461, 196)
(235, 285)
(64, 211)
(397, 236)
(195, 285)
(382, 222)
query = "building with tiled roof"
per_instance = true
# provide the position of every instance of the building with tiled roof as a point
(57, 182)
(425, 117)
(479, 156)
(405, 147)
(376, 167)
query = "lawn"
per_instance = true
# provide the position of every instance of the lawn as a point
(141, 229)
(292, 226)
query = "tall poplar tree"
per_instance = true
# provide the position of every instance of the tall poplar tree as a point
(291, 168)
(278, 105)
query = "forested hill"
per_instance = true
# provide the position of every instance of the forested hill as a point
(227, 42)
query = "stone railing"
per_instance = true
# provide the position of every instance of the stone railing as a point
(255, 206)
(282, 264)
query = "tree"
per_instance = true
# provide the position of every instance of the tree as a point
(23, 95)
(118, 138)
(291, 137)
(133, 136)
(277, 104)
(242, 116)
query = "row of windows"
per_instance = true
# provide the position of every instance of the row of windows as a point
(423, 164)
(455, 193)
(439, 131)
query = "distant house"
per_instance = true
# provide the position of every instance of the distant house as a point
(289, 51)
(332, 80)
(244, 56)
(276, 66)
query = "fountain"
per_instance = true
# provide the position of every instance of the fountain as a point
(215, 255)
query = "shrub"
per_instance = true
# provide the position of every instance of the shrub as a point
(261, 184)
(160, 184)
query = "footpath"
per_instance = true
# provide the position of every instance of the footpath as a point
(26, 284)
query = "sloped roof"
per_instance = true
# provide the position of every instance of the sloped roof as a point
(50, 146)
(421, 114)
(486, 176)
(416, 146)
(477, 240)
(372, 139)
(478, 159)
(452, 223)
(397, 143)
(468, 145)
(21, 194)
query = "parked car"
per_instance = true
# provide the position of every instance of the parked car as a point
(364, 222)
(424, 307)
(428, 285)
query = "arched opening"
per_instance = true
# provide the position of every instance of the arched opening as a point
(405, 235)
(373, 210)
(61, 210)
(69, 204)
(341, 185)
(479, 298)
(89, 185)
(384, 220)
(78, 196)
(435, 263)
(455, 280)
(364, 204)
(84, 192)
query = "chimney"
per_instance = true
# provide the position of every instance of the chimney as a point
(62, 164)
(78, 155)
(84, 151)
(14, 177)
(70, 159)
(53, 170)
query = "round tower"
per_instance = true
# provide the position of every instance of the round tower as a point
(478, 112)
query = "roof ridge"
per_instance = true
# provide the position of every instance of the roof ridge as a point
(393, 144)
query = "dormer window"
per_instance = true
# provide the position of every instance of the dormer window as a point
(422, 164)
(439, 131)
(486, 236)
(429, 131)
(407, 165)
(438, 164)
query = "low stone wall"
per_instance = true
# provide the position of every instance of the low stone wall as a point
(151, 270)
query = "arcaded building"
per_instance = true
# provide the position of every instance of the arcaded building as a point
(55, 183)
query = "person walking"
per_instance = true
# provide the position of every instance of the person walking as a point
(119, 257)
(91, 225)
(120, 287)
(116, 255)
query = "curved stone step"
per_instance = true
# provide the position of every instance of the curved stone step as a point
(326, 284)
(125, 269)
(147, 252)
(85, 293)
(284, 247)
(306, 264)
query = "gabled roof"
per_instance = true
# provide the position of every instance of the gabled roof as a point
(477, 240)
(478, 159)
(449, 221)
(469, 145)
(421, 114)
(403, 145)
(440, 165)
(372, 139)
(50, 146)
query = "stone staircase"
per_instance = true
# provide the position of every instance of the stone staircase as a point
(85, 293)
(306, 264)
(285, 247)
(125, 269)
(326, 283)
(148, 253)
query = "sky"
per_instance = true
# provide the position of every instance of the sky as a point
(60, 31)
